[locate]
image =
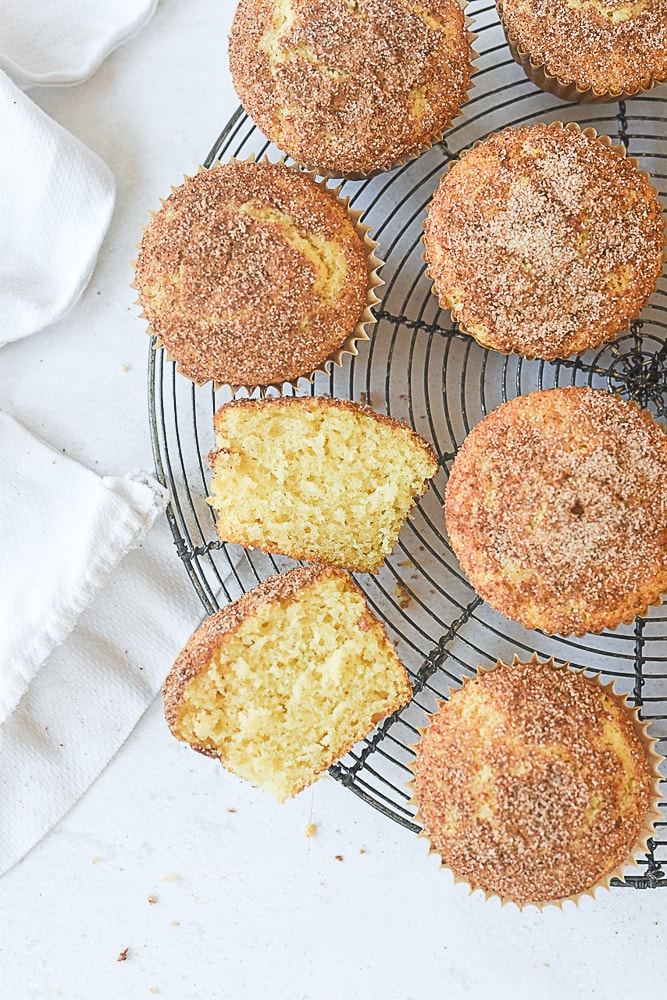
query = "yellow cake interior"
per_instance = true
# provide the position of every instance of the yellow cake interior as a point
(317, 482)
(293, 687)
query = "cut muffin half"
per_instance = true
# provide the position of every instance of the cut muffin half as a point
(284, 681)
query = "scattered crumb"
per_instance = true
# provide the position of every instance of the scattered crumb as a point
(310, 830)
(127, 368)
(231, 810)
(153, 989)
(95, 861)
(403, 596)
(123, 955)
(175, 923)
(339, 857)
(152, 900)
(406, 562)
(362, 850)
(171, 878)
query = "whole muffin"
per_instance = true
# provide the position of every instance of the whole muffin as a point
(351, 87)
(556, 507)
(535, 783)
(544, 241)
(252, 274)
(598, 50)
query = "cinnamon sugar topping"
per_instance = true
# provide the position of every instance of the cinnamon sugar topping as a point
(557, 510)
(611, 47)
(533, 782)
(545, 241)
(253, 274)
(350, 86)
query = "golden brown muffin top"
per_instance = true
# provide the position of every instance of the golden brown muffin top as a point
(544, 241)
(610, 46)
(533, 782)
(350, 86)
(252, 274)
(556, 507)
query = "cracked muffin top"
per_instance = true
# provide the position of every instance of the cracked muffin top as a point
(351, 87)
(253, 274)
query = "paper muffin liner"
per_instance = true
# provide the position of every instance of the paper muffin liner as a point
(653, 813)
(456, 311)
(428, 143)
(366, 319)
(566, 90)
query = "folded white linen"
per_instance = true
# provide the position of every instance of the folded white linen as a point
(65, 42)
(63, 530)
(94, 608)
(56, 202)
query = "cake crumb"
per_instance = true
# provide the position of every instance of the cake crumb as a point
(339, 857)
(152, 900)
(403, 596)
(231, 810)
(310, 829)
(175, 923)
(123, 955)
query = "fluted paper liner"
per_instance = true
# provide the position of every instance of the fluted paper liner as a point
(456, 311)
(653, 813)
(566, 90)
(366, 319)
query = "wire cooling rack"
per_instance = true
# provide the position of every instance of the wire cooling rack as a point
(419, 368)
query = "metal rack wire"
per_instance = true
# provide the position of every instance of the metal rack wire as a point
(419, 368)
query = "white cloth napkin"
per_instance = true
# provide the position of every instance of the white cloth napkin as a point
(56, 203)
(94, 608)
(42, 41)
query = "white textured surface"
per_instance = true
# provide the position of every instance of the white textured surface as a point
(65, 42)
(247, 906)
(53, 220)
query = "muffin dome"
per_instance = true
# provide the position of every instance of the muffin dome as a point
(601, 49)
(556, 507)
(544, 241)
(253, 274)
(535, 783)
(351, 88)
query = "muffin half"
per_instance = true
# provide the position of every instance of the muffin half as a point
(316, 478)
(283, 682)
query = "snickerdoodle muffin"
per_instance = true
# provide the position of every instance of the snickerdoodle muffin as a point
(351, 88)
(536, 783)
(316, 478)
(284, 681)
(600, 50)
(253, 274)
(544, 241)
(556, 508)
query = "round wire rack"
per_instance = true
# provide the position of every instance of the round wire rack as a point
(419, 368)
